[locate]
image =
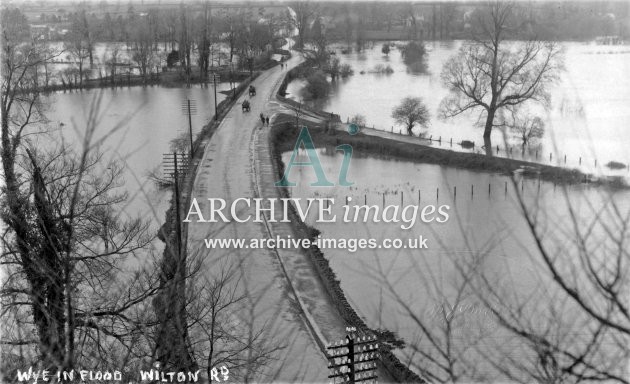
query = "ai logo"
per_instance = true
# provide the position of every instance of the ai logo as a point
(306, 141)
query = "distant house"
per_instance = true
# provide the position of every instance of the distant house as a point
(609, 40)
(40, 32)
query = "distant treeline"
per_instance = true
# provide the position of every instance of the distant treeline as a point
(554, 20)
(352, 21)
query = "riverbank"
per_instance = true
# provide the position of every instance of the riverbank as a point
(279, 139)
(282, 138)
(417, 152)
(171, 78)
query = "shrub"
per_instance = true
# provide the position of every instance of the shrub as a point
(380, 68)
(413, 52)
(358, 120)
(333, 67)
(317, 85)
(413, 55)
(345, 70)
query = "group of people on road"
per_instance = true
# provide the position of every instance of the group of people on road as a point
(264, 119)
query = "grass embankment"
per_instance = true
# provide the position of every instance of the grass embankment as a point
(390, 148)
(282, 137)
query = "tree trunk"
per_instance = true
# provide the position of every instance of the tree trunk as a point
(488, 130)
(489, 123)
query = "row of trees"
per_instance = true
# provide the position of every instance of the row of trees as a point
(569, 324)
(82, 284)
(493, 77)
(162, 38)
(568, 21)
(491, 74)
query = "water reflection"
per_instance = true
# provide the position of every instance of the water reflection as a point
(586, 122)
(388, 287)
(150, 116)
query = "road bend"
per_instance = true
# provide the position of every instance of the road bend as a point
(284, 293)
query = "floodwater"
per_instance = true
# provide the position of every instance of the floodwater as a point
(588, 120)
(102, 53)
(136, 126)
(485, 228)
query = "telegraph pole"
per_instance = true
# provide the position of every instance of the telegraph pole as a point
(175, 165)
(189, 107)
(353, 359)
(178, 226)
(214, 81)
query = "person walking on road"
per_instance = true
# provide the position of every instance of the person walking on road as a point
(267, 120)
(262, 118)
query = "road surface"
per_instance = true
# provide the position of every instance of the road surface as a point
(283, 289)
(226, 172)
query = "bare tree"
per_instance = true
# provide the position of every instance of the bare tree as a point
(527, 127)
(320, 42)
(143, 47)
(411, 111)
(65, 242)
(113, 62)
(204, 42)
(221, 337)
(66, 254)
(80, 51)
(490, 73)
(572, 324)
(304, 11)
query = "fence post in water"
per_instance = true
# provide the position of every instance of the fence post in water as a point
(365, 199)
(506, 188)
(401, 198)
(595, 162)
(580, 160)
(549, 156)
(437, 193)
(497, 149)
(383, 199)
(488, 189)
(451, 141)
(565, 159)
(472, 190)
(418, 197)
(454, 193)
